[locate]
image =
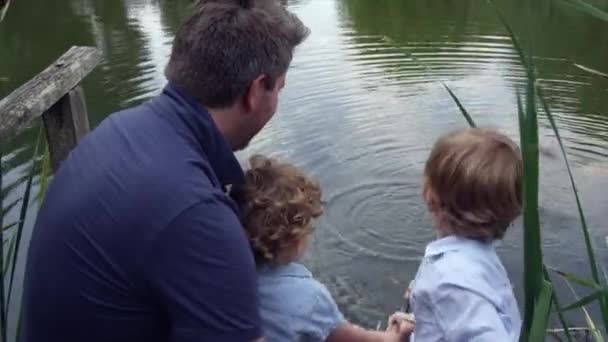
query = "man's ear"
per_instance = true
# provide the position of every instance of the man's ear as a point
(255, 93)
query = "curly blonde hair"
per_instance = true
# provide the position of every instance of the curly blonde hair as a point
(473, 183)
(278, 204)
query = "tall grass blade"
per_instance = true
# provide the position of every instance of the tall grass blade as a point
(575, 279)
(7, 208)
(542, 311)
(603, 301)
(590, 70)
(514, 40)
(44, 175)
(460, 106)
(584, 301)
(10, 225)
(7, 261)
(521, 118)
(561, 318)
(4, 8)
(558, 307)
(2, 289)
(595, 332)
(8, 188)
(587, 8)
(534, 280)
(22, 216)
(532, 254)
(533, 269)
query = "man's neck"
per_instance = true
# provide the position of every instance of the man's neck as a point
(224, 120)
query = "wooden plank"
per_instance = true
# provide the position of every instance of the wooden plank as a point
(29, 101)
(66, 123)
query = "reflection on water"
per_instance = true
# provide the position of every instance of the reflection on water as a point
(362, 107)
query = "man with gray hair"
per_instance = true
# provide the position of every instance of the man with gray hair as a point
(137, 239)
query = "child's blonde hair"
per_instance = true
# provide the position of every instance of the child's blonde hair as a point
(278, 203)
(473, 183)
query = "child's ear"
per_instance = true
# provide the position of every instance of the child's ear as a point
(430, 197)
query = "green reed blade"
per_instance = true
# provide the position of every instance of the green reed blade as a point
(8, 188)
(4, 9)
(460, 106)
(528, 126)
(10, 225)
(7, 260)
(597, 334)
(558, 307)
(587, 235)
(7, 208)
(533, 268)
(521, 117)
(561, 318)
(19, 320)
(603, 301)
(576, 279)
(584, 301)
(587, 8)
(44, 175)
(2, 289)
(591, 71)
(24, 209)
(542, 311)
(533, 277)
(514, 40)
(530, 279)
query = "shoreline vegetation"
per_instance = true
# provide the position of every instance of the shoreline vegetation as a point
(540, 296)
(541, 300)
(4, 5)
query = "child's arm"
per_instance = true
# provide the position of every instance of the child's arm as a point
(326, 323)
(347, 332)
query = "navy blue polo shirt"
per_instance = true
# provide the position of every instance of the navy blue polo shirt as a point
(137, 240)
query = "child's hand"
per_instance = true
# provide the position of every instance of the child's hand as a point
(400, 326)
(408, 292)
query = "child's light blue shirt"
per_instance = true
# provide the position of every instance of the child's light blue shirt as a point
(294, 306)
(462, 293)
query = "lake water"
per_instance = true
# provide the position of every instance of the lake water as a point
(360, 114)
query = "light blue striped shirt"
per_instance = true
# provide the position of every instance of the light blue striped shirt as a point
(294, 306)
(462, 293)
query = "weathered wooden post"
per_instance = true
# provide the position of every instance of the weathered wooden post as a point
(56, 95)
(66, 122)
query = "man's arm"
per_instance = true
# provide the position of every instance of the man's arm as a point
(205, 277)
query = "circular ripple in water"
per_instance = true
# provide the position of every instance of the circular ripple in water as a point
(384, 219)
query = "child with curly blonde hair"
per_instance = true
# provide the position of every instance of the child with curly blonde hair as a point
(278, 205)
(472, 187)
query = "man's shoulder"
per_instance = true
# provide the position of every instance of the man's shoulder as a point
(142, 168)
